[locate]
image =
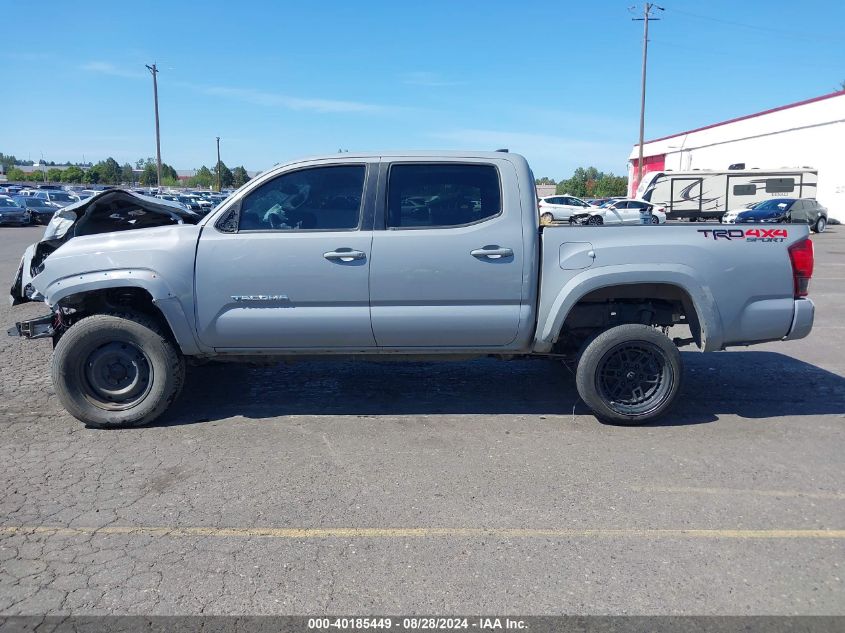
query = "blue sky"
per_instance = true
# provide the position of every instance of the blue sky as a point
(556, 81)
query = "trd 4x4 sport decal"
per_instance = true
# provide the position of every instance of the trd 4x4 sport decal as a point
(749, 235)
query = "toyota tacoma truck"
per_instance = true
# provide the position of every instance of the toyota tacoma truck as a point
(404, 255)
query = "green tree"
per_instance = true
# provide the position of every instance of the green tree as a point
(168, 173)
(226, 176)
(149, 177)
(15, 174)
(73, 174)
(589, 182)
(203, 178)
(545, 180)
(54, 174)
(239, 176)
(92, 175)
(127, 175)
(7, 161)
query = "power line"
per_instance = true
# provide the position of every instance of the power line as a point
(755, 27)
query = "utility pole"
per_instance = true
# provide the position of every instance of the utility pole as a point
(154, 70)
(647, 17)
(218, 165)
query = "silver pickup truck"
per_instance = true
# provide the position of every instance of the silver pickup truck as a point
(408, 255)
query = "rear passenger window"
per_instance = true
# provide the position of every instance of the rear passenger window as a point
(780, 185)
(745, 190)
(432, 195)
(317, 198)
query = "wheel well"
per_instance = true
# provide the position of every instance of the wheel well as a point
(109, 300)
(655, 304)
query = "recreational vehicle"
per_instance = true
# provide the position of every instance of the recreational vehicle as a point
(706, 194)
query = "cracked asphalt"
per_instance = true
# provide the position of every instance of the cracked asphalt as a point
(472, 487)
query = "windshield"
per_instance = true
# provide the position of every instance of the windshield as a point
(8, 202)
(62, 197)
(775, 204)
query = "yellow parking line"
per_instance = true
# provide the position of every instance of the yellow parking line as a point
(418, 532)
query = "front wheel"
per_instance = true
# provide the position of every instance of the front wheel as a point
(116, 370)
(595, 220)
(629, 374)
(821, 225)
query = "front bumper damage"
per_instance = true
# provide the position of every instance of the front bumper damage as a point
(40, 327)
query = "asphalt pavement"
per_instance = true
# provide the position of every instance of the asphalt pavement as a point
(470, 487)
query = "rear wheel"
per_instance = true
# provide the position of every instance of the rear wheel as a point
(547, 218)
(655, 219)
(629, 374)
(821, 224)
(116, 370)
(595, 220)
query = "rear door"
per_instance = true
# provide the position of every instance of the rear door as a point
(288, 266)
(451, 275)
(686, 195)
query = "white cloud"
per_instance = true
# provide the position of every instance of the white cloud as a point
(107, 68)
(258, 97)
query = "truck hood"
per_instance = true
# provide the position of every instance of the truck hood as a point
(108, 211)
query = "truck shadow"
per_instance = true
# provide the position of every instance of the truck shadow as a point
(747, 384)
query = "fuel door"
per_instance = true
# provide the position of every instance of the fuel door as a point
(576, 255)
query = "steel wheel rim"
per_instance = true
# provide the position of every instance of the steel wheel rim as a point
(116, 375)
(635, 378)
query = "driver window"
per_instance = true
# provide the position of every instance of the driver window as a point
(317, 198)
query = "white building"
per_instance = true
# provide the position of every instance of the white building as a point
(809, 133)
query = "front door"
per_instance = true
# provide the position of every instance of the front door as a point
(449, 273)
(290, 270)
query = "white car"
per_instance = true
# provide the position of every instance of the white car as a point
(625, 211)
(730, 216)
(561, 208)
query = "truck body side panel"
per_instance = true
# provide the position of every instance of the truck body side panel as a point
(740, 284)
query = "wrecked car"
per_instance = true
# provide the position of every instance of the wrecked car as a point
(325, 257)
(105, 212)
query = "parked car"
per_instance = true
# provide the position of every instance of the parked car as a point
(787, 210)
(301, 262)
(560, 208)
(13, 213)
(40, 210)
(57, 197)
(626, 211)
(730, 216)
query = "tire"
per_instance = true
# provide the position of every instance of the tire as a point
(820, 225)
(595, 220)
(622, 399)
(547, 218)
(655, 219)
(117, 370)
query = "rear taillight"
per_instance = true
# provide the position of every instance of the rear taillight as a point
(801, 256)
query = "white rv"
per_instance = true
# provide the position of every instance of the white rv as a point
(703, 194)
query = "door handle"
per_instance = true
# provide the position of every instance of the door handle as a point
(492, 252)
(344, 255)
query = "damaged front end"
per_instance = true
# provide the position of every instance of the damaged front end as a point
(109, 211)
(105, 212)
(40, 327)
